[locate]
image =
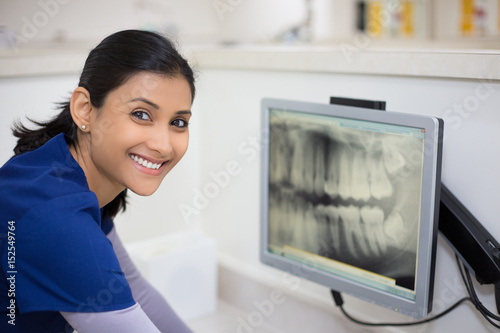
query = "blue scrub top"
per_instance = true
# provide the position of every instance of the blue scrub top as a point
(53, 247)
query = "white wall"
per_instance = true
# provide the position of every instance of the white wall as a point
(91, 20)
(33, 97)
(194, 21)
(230, 112)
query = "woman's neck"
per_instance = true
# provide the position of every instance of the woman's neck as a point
(103, 188)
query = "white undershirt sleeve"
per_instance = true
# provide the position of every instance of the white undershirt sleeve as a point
(151, 313)
(129, 320)
(151, 301)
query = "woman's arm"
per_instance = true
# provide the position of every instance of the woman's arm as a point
(151, 301)
(129, 320)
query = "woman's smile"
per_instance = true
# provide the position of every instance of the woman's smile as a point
(148, 165)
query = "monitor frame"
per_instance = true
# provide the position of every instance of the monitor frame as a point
(430, 197)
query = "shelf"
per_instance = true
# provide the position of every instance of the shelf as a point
(415, 59)
(346, 58)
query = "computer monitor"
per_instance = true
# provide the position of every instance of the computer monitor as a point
(350, 200)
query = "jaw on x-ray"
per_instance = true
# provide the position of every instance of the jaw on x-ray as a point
(346, 194)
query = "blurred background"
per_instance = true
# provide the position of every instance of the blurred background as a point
(258, 21)
(439, 58)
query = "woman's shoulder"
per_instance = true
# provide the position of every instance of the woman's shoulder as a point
(68, 213)
(54, 157)
(71, 213)
(40, 177)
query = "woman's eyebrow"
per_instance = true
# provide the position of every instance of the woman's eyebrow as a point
(147, 101)
(156, 106)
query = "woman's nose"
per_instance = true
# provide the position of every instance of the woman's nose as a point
(160, 141)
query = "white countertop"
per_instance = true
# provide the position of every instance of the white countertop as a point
(344, 57)
(244, 305)
(225, 319)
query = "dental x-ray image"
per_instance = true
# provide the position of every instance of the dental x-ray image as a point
(346, 192)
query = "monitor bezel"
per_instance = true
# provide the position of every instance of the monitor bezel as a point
(433, 126)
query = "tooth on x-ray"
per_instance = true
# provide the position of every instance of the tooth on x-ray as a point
(394, 228)
(329, 236)
(393, 159)
(277, 165)
(293, 220)
(323, 228)
(310, 230)
(353, 232)
(319, 166)
(332, 172)
(345, 176)
(360, 188)
(296, 176)
(373, 217)
(302, 173)
(308, 165)
(380, 186)
(333, 214)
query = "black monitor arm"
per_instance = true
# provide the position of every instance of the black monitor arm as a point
(473, 244)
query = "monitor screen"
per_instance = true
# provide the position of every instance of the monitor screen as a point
(351, 196)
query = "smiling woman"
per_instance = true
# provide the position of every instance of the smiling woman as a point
(125, 127)
(155, 122)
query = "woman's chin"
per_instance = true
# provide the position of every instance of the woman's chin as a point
(144, 191)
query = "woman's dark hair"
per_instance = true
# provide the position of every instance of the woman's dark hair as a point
(109, 65)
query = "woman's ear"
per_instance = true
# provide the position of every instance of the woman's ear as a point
(80, 107)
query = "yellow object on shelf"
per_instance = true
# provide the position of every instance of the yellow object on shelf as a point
(498, 17)
(408, 22)
(374, 24)
(468, 15)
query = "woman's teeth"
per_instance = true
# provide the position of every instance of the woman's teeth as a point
(145, 163)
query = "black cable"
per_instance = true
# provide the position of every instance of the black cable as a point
(473, 298)
(406, 324)
(466, 277)
(339, 302)
(464, 272)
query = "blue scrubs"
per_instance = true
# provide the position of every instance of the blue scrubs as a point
(53, 247)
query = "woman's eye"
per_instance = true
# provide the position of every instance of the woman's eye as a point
(141, 115)
(181, 123)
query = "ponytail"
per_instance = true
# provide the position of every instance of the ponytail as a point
(31, 139)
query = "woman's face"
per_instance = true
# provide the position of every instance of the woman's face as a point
(141, 132)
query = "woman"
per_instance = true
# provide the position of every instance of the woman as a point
(125, 127)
